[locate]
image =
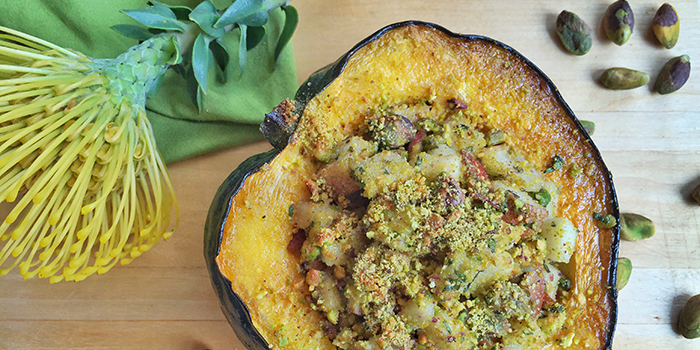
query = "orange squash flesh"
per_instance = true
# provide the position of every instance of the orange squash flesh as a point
(418, 63)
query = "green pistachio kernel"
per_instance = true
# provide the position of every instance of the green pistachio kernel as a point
(673, 75)
(574, 33)
(666, 26)
(618, 22)
(689, 318)
(623, 78)
(624, 270)
(589, 126)
(634, 227)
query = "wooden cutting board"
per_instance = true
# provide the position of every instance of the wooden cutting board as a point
(651, 143)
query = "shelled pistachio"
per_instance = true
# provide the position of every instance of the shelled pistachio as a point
(624, 271)
(673, 75)
(574, 33)
(589, 126)
(666, 26)
(634, 227)
(617, 78)
(689, 318)
(618, 22)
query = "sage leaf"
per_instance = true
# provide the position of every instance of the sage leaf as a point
(159, 17)
(291, 20)
(255, 36)
(201, 60)
(181, 12)
(133, 31)
(557, 163)
(242, 47)
(191, 85)
(200, 102)
(177, 58)
(237, 11)
(205, 15)
(221, 56)
(257, 19)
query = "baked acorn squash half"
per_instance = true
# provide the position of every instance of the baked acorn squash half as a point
(428, 190)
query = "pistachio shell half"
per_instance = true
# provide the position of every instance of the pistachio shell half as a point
(624, 270)
(673, 75)
(666, 25)
(618, 22)
(623, 78)
(689, 318)
(574, 33)
(634, 227)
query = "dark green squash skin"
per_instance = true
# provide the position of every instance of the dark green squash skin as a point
(236, 311)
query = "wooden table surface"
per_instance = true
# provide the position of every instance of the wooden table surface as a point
(651, 143)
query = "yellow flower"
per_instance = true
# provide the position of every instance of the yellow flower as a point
(78, 162)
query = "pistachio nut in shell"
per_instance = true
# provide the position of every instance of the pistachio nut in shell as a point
(624, 270)
(634, 227)
(574, 33)
(666, 25)
(618, 22)
(673, 75)
(623, 78)
(689, 318)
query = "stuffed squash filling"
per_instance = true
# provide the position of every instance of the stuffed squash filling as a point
(426, 230)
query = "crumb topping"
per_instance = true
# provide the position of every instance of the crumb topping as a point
(426, 230)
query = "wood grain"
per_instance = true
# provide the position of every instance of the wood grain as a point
(163, 299)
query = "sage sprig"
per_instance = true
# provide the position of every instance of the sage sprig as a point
(200, 32)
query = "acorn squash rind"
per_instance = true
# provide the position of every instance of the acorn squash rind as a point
(234, 309)
(237, 313)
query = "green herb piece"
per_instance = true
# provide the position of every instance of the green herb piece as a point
(557, 163)
(608, 221)
(491, 243)
(565, 283)
(543, 197)
(290, 25)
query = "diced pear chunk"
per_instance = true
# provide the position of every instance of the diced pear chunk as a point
(560, 235)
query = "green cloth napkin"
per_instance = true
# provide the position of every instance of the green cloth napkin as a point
(232, 109)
